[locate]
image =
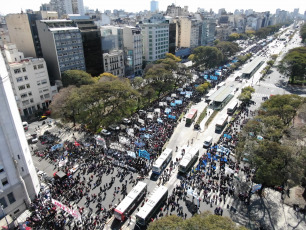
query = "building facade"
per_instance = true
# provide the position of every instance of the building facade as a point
(30, 81)
(91, 37)
(23, 32)
(114, 63)
(132, 41)
(62, 47)
(65, 7)
(155, 37)
(19, 181)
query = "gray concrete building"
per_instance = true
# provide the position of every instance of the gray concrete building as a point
(62, 47)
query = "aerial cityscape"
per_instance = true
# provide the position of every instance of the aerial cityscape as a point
(158, 115)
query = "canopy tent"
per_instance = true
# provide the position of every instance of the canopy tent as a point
(162, 104)
(173, 95)
(157, 110)
(178, 102)
(131, 154)
(167, 110)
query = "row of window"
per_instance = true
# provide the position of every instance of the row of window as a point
(40, 66)
(63, 65)
(19, 79)
(66, 36)
(10, 197)
(22, 87)
(24, 95)
(45, 96)
(42, 82)
(27, 102)
(69, 42)
(68, 48)
(19, 70)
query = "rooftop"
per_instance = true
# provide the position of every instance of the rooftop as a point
(251, 66)
(221, 94)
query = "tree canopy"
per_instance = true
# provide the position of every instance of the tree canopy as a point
(303, 32)
(246, 94)
(272, 160)
(227, 48)
(77, 78)
(207, 57)
(203, 221)
(294, 64)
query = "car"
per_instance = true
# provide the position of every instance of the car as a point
(114, 127)
(126, 121)
(34, 140)
(43, 118)
(237, 78)
(105, 132)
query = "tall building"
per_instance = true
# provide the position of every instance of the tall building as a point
(19, 181)
(62, 47)
(208, 31)
(91, 38)
(132, 41)
(175, 11)
(65, 7)
(187, 32)
(23, 32)
(30, 81)
(114, 63)
(111, 38)
(155, 37)
(154, 6)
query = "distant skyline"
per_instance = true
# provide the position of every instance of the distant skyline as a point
(15, 6)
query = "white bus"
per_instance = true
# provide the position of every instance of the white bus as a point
(221, 123)
(188, 160)
(232, 107)
(156, 200)
(161, 163)
(123, 210)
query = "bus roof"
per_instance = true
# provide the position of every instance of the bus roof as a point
(164, 155)
(188, 157)
(126, 202)
(222, 120)
(152, 201)
(233, 104)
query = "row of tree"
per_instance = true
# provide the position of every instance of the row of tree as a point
(203, 221)
(303, 32)
(261, 142)
(98, 102)
(207, 57)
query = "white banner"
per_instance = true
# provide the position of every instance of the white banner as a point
(74, 213)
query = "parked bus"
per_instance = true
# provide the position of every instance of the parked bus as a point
(161, 163)
(123, 210)
(188, 160)
(221, 124)
(153, 205)
(191, 116)
(232, 107)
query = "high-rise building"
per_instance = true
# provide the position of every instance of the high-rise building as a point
(208, 31)
(18, 179)
(65, 7)
(296, 12)
(154, 6)
(112, 38)
(23, 32)
(62, 47)
(155, 37)
(30, 81)
(132, 41)
(91, 37)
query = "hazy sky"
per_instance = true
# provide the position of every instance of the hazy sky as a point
(15, 6)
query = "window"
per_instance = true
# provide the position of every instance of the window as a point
(26, 78)
(28, 86)
(34, 66)
(44, 81)
(21, 87)
(19, 79)
(24, 69)
(17, 71)
(11, 198)
(4, 181)
(41, 97)
(3, 202)
(26, 102)
(30, 93)
(31, 100)
(40, 66)
(24, 95)
(1, 169)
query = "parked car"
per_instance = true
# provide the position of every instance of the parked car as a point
(34, 140)
(126, 121)
(114, 127)
(105, 132)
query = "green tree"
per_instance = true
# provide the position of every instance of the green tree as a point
(173, 57)
(107, 77)
(207, 57)
(203, 221)
(77, 78)
(234, 36)
(303, 32)
(228, 49)
(294, 64)
(246, 94)
(250, 33)
(203, 87)
(160, 79)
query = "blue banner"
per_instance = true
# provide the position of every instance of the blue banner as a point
(144, 154)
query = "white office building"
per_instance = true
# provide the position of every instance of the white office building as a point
(18, 179)
(30, 81)
(155, 37)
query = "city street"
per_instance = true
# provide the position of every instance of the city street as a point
(183, 138)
